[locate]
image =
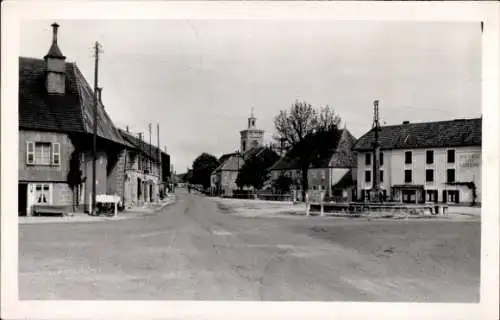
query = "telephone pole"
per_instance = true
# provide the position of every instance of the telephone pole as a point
(97, 50)
(160, 176)
(376, 154)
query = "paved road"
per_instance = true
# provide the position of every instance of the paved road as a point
(194, 250)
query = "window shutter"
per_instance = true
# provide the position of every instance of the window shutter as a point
(56, 153)
(30, 152)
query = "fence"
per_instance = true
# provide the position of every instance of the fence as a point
(249, 194)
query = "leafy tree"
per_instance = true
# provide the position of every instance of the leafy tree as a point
(283, 183)
(255, 170)
(203, 166)
(308, 132)
(75, 176)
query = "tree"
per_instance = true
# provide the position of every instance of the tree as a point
(203, 166)
(255, 170)
(75, 176)
(283, 183)
(308, 132)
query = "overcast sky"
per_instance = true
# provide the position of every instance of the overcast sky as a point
(200, 78)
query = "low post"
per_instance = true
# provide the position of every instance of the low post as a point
(321, 200)
(115, 214)
(308, 205)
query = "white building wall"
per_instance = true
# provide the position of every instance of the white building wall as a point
(394, 167)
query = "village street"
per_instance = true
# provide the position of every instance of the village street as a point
(194, 249)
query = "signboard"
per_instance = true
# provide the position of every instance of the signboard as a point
(316, 196)
(470, 160)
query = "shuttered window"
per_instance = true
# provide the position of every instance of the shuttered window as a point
(56, 154)
(30, 152)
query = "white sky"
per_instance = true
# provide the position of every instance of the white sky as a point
(200, 78)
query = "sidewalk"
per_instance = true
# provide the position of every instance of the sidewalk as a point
(84, 217)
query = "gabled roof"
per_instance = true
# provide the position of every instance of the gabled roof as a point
(231, 162)
(150, 151)
(347, 180)
(338, 155)
(224, 157)
(71, 112)
(438, 134)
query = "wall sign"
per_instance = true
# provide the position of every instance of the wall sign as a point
(470, 160)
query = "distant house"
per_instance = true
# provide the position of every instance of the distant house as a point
(56, 106)
(143, 167)
(223, 178)
(335, 173)
(430, 161)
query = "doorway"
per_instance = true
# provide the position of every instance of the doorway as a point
(22, 199)
(409, 196)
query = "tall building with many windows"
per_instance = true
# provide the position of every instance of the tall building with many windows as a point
(424, 162)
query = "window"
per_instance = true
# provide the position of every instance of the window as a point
(408, 157)
(408, 177)
(450, 175)
(451, 156)
(429, 175)
(42, 194)
(381, 158)
(30, 152)
(42, 153)
(429, 156)
(368, 159)
(368, 176)
(56, 154)
(381, 175)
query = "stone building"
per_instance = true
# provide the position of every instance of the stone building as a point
(143, 166)
(251, 137)
(56, 106)
(424, 162)
(223, 178)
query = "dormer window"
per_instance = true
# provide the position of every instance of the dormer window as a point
(55, 63)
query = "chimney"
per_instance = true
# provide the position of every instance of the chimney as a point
(406, 122)
(55, 64)
(126, 128)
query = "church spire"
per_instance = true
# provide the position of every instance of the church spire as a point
(251, 120)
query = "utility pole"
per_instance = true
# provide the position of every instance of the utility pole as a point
(97, 49)
(376, 153)
(160, 176)
(149, 162)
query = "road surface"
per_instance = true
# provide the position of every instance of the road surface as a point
(195, 250)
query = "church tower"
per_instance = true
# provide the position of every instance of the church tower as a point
(251, 137)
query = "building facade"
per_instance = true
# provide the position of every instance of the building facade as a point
(335, 173)
(425, 162)
(56, 121)
(142, 167)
